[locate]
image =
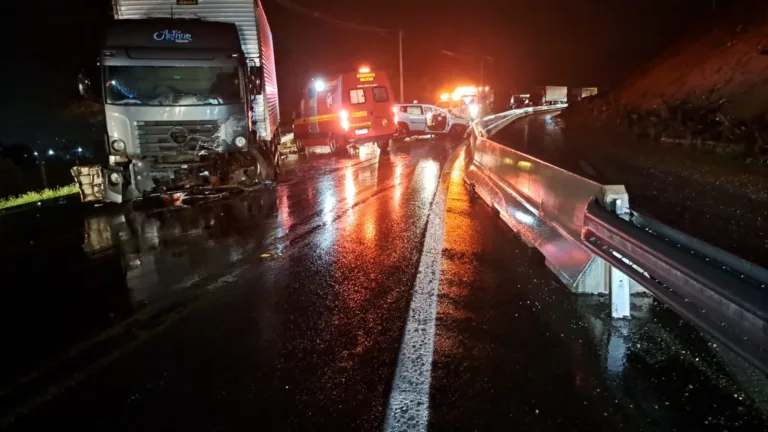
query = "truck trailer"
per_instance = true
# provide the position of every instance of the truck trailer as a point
(190, 98)
(579, 93)
(552, 95)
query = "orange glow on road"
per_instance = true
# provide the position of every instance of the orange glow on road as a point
(370, 229)
(349, 185)
(285, 210)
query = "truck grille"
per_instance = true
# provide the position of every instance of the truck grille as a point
(172, 136)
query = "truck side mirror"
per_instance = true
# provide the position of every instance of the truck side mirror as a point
(84, 85)
(255, 75)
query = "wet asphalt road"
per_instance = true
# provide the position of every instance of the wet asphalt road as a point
(285, 309)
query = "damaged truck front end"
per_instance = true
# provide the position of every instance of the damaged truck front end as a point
(195, 146)
(178, 99)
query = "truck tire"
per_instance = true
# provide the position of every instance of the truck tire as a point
(299, 145)
(383, 145)
(265, 169)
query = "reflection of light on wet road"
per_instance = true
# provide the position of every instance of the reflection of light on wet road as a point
(370, 228)
(364, 152)
(285, 211)
(349, 185)
(430, 173)
(398, 185)
(328, 203)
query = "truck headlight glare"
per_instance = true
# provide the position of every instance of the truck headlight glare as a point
(241, 141)
(118, 145)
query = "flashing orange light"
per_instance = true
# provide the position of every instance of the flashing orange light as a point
(464, 91)
(364, 69)
(444, 97)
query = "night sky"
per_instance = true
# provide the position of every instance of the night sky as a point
(558, 42)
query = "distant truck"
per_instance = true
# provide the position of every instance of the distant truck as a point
(190, 96)
(519, 101)
(343, 109)
(579, 93)
(551, 95)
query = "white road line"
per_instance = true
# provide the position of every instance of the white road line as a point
(408, 408)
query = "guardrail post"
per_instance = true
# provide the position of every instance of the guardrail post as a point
(617, 201)
(619, 294)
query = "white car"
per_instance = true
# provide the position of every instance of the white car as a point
(423, 119)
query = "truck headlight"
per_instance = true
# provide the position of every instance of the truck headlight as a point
(115, 179)
(118, 145)
(473, 110)
(241, 141)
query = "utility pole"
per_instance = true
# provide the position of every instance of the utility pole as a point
(400, 43)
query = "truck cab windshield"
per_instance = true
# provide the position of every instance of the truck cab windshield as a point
(188, 85)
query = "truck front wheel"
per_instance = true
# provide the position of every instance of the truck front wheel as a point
(265, 169)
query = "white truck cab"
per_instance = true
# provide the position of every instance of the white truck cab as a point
(424, 119)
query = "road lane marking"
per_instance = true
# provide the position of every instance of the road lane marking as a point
(408, 407)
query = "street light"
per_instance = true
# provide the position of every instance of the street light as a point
(50, 152)
(79, 149)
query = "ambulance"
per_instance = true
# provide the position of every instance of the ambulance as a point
(350, 108)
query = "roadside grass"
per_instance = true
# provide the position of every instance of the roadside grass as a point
(35, 196)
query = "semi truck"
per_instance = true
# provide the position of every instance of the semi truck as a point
(190, 99)
(550, 95)
(579, 93)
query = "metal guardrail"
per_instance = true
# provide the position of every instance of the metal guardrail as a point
(489, 125)
(543, 203)
(720, 293)
(574, 221)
